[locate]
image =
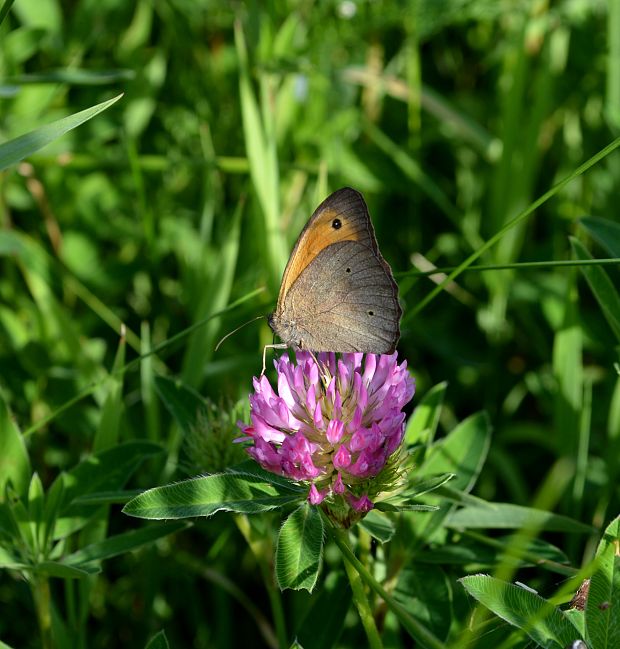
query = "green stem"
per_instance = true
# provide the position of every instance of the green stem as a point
(42, 601)
(414, 628)
(359, 597)
(521, 265)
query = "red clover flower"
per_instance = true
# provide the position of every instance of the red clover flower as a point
(333, 424)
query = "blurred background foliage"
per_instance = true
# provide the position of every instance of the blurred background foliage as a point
(450, 116)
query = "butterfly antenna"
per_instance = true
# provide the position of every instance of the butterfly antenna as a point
(234, 331)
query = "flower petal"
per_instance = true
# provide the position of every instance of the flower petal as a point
(361, 504)
(315, 497)
(338, 485)
(342, 458)
(335, 430)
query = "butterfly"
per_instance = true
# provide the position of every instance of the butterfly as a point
(338, 293)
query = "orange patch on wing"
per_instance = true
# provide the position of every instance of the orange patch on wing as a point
(317, 235)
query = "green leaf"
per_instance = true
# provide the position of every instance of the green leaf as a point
(463, 452)
(300, 548)
(158, 641)
(9, 526)
(543, 622)
(425, 593)
(568, 371)
(36, 497)
(213, 295)
(18, 521)
(56, 569)
(53, 502)
(8, 560)
(107, 470)
(412, 169)
(17, 149)
(250, 467)
(232, 492)
(101, 472)
(601, 286)
(4, 645)
(109, 426)
(418, 486)
(602, 612)
(36, 503)
(182, 402)
(329, 605)
(422, 424)
(386, 506)
(405, 500)
(262, 153)
(480, 555)
(14, 461)
(605, 232)
(507, 516)
(121, 543)
(378, 525)
(577, 619)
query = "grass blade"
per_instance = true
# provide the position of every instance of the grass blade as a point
(19, 148)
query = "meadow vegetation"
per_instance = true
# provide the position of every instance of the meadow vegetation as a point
(133, 242)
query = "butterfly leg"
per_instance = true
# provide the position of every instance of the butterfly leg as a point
(272, 346)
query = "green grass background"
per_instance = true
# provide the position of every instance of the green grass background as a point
(451, 116)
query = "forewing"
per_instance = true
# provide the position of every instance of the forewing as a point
(348, 207)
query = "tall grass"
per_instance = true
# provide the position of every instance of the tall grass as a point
(186, 196)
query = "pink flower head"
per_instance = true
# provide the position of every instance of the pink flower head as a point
(333, 423)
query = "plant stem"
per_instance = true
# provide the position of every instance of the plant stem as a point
(359, 597)
(414, 628)
(42, 599)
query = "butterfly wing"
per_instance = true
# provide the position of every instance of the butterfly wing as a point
(342, 216)
(345, 300)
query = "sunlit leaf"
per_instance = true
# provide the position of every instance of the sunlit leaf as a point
(602, 612)
(19, 148)
(508, 516)
(233, 492)
(300, 548)
(542, 621)
(378, 525)
(422, 424)
(14, 460)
